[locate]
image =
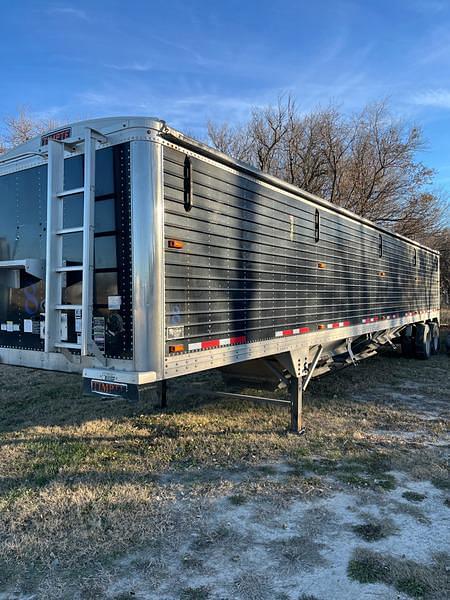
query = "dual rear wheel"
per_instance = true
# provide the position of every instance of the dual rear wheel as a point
(420, 340)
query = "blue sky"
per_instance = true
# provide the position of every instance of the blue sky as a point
(190, 61)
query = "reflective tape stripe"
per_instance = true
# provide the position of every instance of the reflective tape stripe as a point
(196, 346)
(238, 340)
(287, 332)
(301, 330)
(411, 313)
(208, 344)
(336, 325)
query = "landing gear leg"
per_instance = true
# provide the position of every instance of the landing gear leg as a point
(296, 397)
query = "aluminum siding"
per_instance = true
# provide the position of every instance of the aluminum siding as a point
(249, 265)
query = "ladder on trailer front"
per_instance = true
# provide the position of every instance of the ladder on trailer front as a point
(56, 270)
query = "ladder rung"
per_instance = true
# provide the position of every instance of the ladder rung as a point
(68, 307)
(70, 230)
(71, 192)
(67, 269)
(70, 345)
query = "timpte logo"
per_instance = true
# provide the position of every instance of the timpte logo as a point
(108, 388)
(60, 136)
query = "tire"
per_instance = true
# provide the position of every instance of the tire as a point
(423, 341)
(407, 342)
(435, 338)
(447, 344)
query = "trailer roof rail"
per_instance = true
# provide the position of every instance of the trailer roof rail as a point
(7, 159)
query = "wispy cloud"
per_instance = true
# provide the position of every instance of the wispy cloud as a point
(136, 66)
(69, 11)
(232, 103)
(188, 110)
(439, 98)
(187, 51)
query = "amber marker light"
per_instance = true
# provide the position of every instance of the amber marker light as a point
(176, 348)
(177, 244)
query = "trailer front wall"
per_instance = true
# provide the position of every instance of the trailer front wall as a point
(251, 266)
(23, 204)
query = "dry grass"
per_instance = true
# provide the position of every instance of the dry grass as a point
(197, 593)
(254, 586)
(297, 553)
(84, 481)
(412, 578)
(413, 496)
(374, 530)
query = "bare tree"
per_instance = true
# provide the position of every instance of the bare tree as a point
(258, 142)
(231, 140)
(23, 127)
(441, 241)
(365, 163)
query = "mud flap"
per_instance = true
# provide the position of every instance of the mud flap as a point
(115, 389)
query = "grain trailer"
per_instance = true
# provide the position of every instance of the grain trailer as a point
(133, 254)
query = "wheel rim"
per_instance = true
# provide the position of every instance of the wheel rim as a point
(435, 339)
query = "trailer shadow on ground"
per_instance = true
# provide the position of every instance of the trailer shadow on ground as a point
(214, 499)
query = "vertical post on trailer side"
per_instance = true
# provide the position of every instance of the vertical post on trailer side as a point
(87, 292)
(296, 397)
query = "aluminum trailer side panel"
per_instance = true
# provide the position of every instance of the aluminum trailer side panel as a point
(257, 264)
(255, 268)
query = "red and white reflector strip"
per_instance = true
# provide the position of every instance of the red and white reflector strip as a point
(337, 325)
(386, 317)
(208, 344)
(295, 331)
(232, 341)
(370, 320)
